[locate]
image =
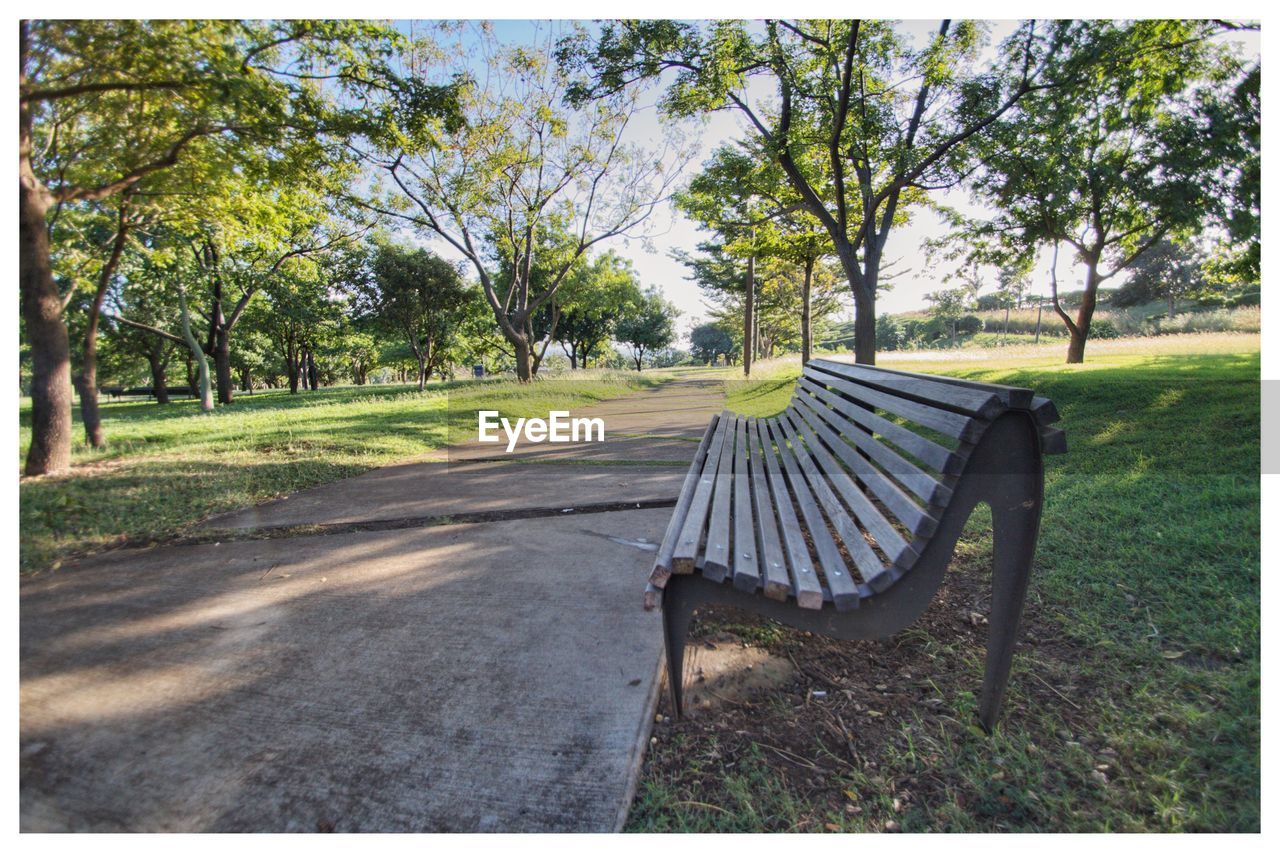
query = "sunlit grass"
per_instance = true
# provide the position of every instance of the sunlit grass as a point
(168, 467)
(1148, 564)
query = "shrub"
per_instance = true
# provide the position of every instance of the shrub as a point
(1245, 319)
(969, 324)
(1023, 322)
(913, 332)
(1103, 328)
(1251, 297)
(889, 334)
(1126, 324)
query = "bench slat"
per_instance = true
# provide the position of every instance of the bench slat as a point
(662, 563)
(773, 562)
(715, 557)
(1045, 411)
(907, 511)
(805, 580)
(844, 592)
(922, 388)
(746, 566)
(895, 548)
(916, 480)
(1012, 396)
(929, 452)
(869, 565)
(686, 551)
(940, 420)
(1052, 441)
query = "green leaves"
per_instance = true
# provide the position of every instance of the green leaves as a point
(648, 326)
(1110, 156)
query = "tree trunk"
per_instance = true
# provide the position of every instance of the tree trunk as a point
(313, 375)
(88, 379)
(222, 360)
(546, 342)
(748, 316)
(156, 361)
(422, 372)
(1171, 310)
(291, 362)
(864, 327)
(1075, 349)
(1084, 317)
(863, 285)
(87, 386)
(202, 363)
(50, 451)
(806, 312)
(523, 357)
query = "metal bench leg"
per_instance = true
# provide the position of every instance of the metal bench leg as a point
(677, 609)
(1015, 529)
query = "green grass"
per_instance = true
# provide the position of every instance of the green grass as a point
(1147, 571)
(168, 467)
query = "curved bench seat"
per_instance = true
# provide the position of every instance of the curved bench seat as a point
(863, 481)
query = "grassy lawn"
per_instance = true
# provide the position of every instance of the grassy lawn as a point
(168, 467)
(1134, 703)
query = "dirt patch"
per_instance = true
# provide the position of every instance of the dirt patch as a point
(848, 711)
(724, 670)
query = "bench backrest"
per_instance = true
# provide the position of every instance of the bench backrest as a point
(892, 443)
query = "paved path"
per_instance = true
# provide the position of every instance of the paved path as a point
(437, 677)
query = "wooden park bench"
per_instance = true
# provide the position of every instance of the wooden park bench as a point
(840, 515)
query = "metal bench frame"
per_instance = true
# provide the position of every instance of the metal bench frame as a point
(1004, 469)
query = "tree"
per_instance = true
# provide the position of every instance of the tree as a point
(709, 341)
(106, 105)
(1012, 284)
(595, 296)
(252, 231)
(91, 240)
(417, 295)
(519, 166)
(1109, 168)
(889, 333)
(300, 307)
(148, 303)
(289, 225)
(1238, 119)
(798, 239)
(648, 326)
(726, 197)
(948, 306)
(159, 260)
(1167, 271)
(863, 125)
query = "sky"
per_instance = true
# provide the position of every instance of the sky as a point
(670, 230)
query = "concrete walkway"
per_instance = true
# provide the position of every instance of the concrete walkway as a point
(438, 677)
